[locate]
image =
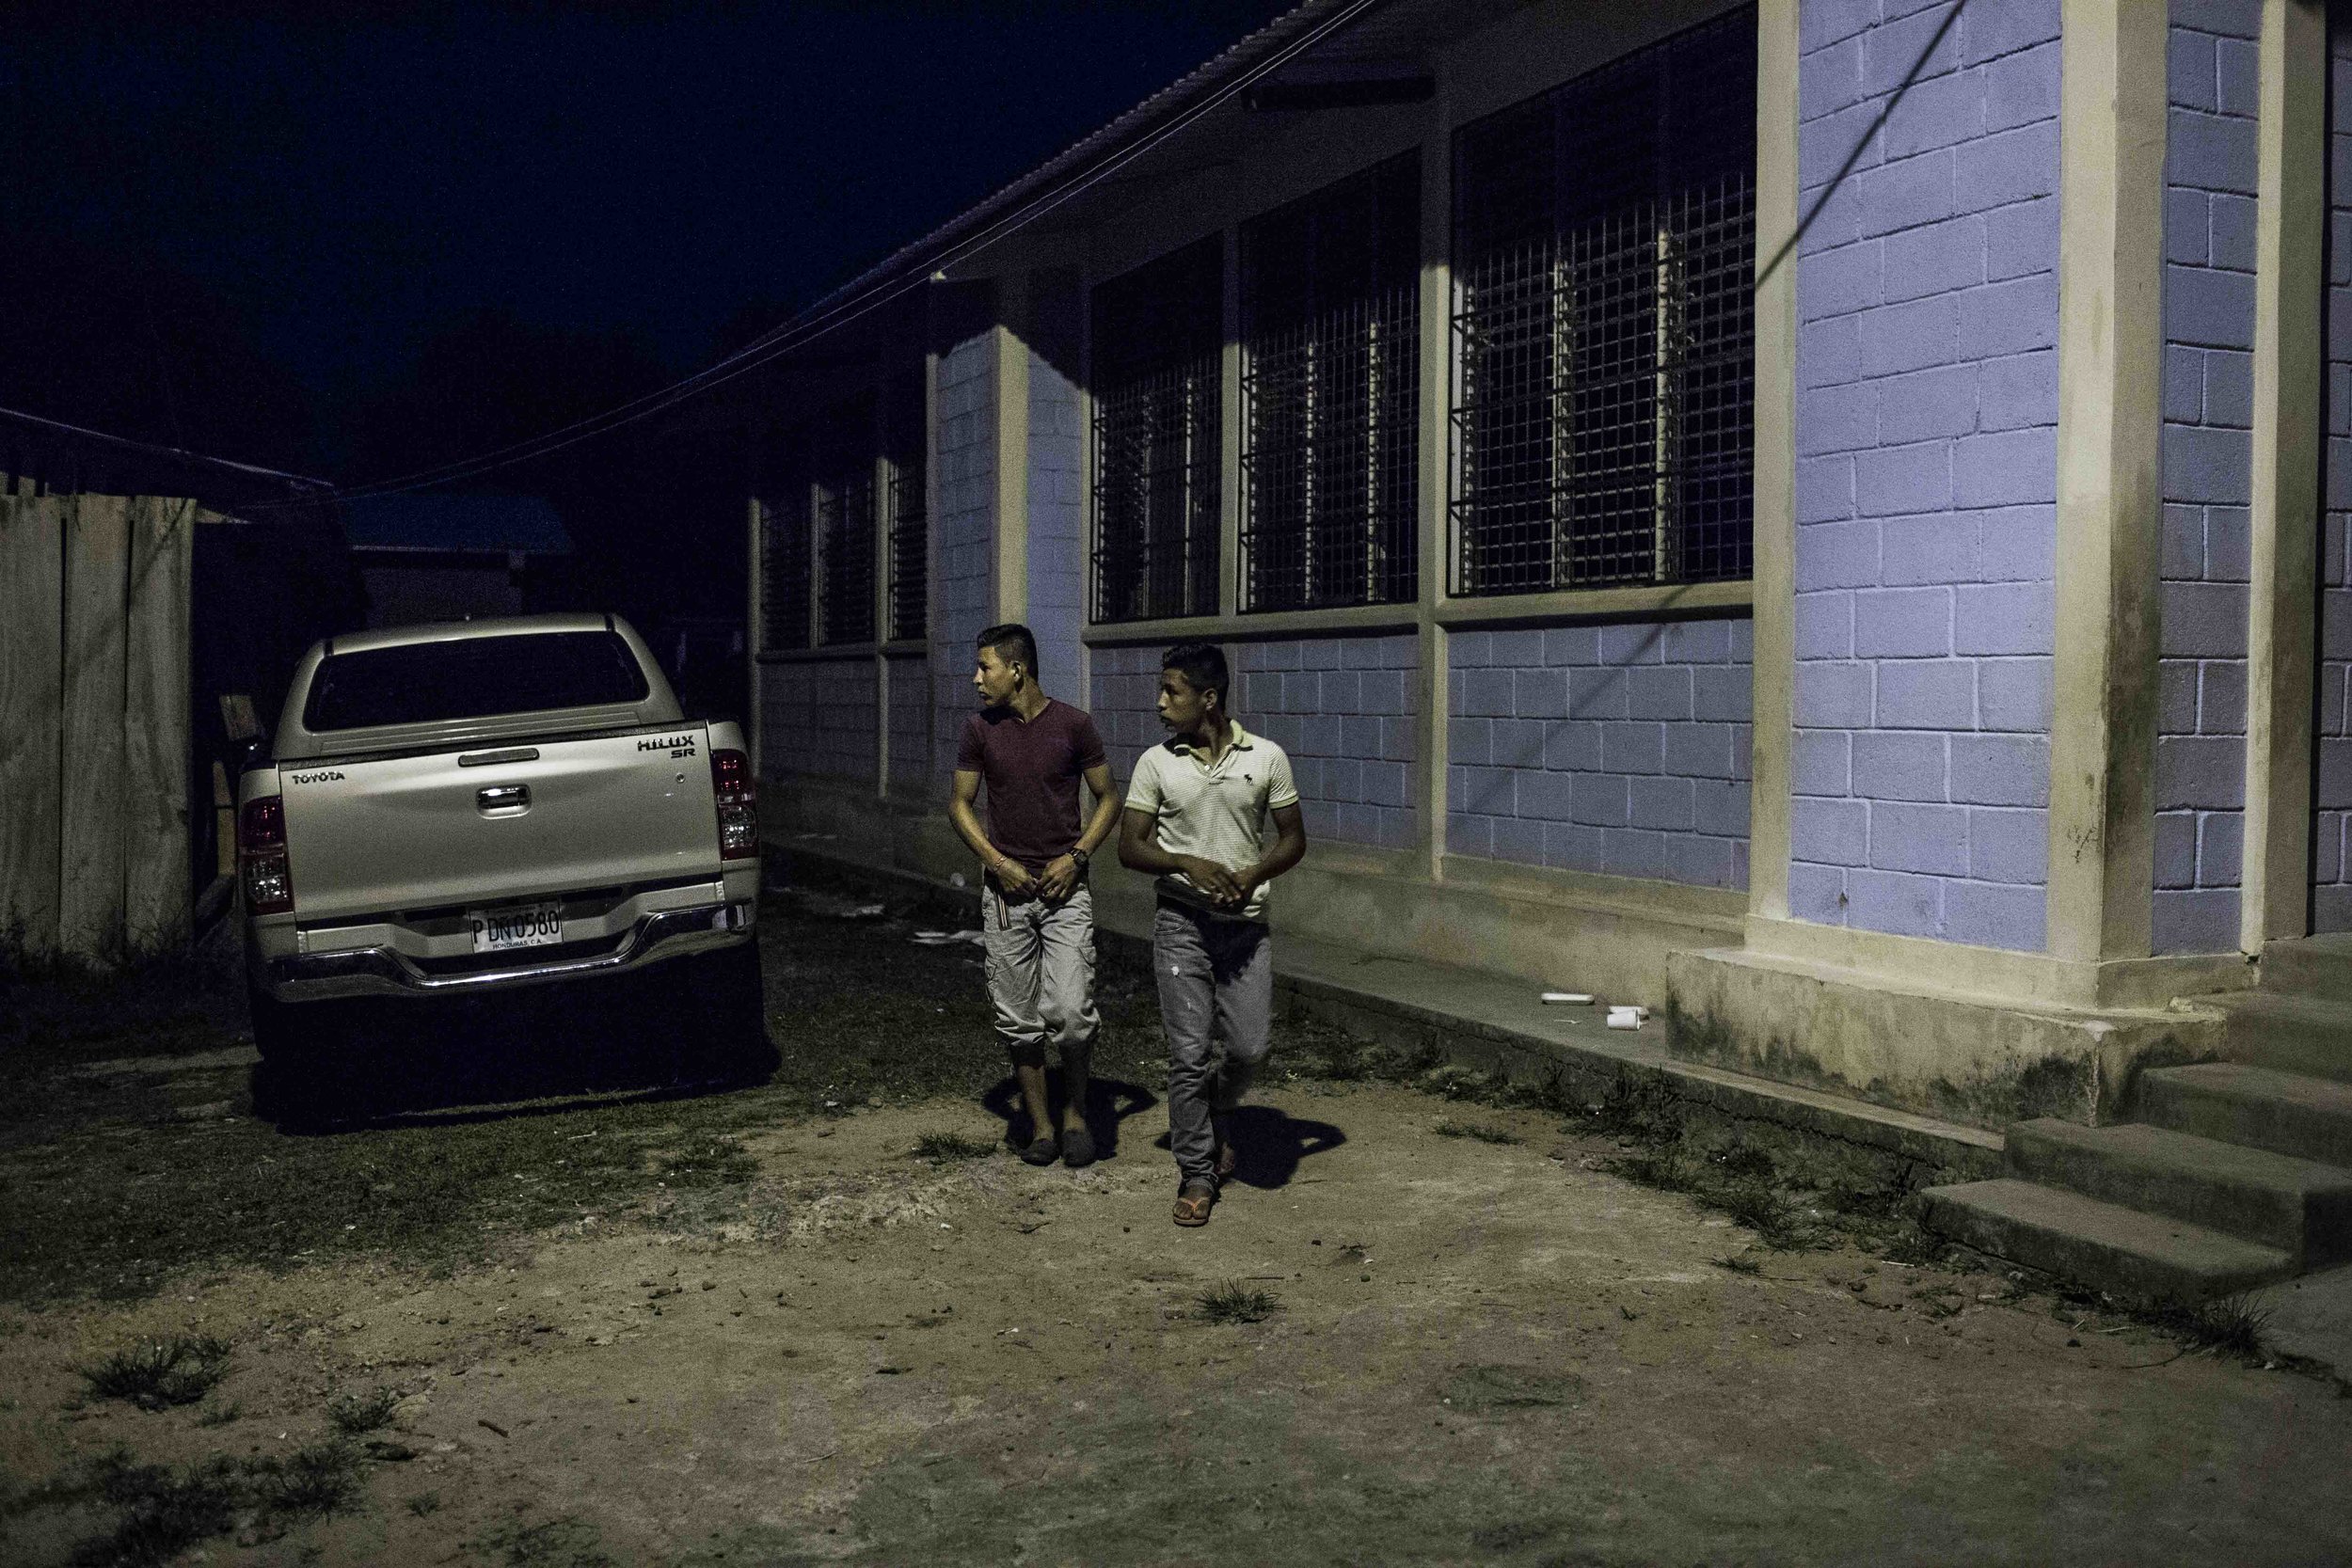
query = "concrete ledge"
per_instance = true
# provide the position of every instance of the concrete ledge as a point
(1520, 921)
(1497, 1022)
(1491, 1022)
(1976, 1060)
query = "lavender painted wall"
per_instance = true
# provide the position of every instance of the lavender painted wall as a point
(1056, 525)
(819, 718)
(2331, 799)
(1342, 708)
(1121, 696)
(2210, 170)
(909, 724)
(1619, 749)
(960, 601)
(1926, 431)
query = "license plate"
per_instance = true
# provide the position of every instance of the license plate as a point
(521, 926)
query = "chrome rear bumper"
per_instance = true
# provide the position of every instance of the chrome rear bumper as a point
(383, 970)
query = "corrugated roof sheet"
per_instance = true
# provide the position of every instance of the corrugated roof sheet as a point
(419, 521)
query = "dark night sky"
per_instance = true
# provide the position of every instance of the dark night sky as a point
(335, 182)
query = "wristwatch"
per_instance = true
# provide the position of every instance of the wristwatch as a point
(1079, 855)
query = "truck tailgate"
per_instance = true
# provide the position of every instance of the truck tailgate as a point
(371, 836)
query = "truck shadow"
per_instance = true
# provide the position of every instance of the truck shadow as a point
(478, 1057)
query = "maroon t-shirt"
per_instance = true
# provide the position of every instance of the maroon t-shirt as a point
(1032, 770)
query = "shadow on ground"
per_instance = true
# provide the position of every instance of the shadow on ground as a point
(474, 1058)
(1269, 1143)
(1110, 1102)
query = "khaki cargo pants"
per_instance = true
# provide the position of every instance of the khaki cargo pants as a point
(1040, 974)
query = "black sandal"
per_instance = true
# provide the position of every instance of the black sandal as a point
(1077, 1148)
(1041, 1151)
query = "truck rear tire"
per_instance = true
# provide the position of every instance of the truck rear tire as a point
(730, 1015)
(299, 1043)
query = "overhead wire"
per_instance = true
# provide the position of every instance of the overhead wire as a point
(801, 331)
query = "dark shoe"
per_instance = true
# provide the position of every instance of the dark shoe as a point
(1041, 1151)
(1077, 1148)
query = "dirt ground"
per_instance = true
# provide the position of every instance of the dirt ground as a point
(828, 1318)
(1478, 1352)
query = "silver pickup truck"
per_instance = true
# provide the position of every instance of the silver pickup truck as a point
(462, 807)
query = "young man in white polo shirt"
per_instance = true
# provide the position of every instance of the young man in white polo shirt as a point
(1196, 809)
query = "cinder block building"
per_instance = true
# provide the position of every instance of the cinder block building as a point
(1824, 516)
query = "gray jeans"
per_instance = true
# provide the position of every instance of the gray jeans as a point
(1040, 974)
(1216, 980)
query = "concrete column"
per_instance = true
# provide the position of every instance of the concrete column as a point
(2110, 499)
(1774, 571)
(2289, 400)
(1008, 576)
(1432, 708)
(1229, 417)
(881, 583)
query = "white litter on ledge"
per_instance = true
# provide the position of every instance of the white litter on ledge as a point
(1573, 998)
(1626, 1017)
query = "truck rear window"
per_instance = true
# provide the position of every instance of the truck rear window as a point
(426, 683)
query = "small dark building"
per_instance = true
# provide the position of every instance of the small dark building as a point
(448, 558)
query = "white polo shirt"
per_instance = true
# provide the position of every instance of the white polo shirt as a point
(1218, 812)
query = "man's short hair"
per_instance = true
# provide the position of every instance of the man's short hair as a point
(1013, 644)
(1203, 665)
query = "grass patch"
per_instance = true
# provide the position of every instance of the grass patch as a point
(1738, 1262)
(107, 1191)
(710, 1161)
(353, 1414)
(568, 1541)
(942, 1148)
(1234, 1303)
(220, 1415)
(1478, 1131)
(423, 1504)
(1484, 1389)
(2225, 1325)
(159, 1374)
(163, 1510)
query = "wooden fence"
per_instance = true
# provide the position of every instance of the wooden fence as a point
(94, 725)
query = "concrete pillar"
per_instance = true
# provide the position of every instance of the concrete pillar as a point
(1773, 669)
(1008, 575)
(2110, 510)
(1431, 691)
(2288, 401)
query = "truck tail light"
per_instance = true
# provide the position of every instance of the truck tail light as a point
(737, 798)
(261, 855)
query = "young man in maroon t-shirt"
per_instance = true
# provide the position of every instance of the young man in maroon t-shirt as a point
(1032, 751)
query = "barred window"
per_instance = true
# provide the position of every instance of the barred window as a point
(784, 560)
(844, 502)
(1331, 395)
(909, 539)
(1158, 333)
(844, 513)
(1604, 244)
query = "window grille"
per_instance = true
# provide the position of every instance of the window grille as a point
(1331, 395)
(845, 528)
(1604, 244)
(1158, 333)
(784, 560)
(910, 533)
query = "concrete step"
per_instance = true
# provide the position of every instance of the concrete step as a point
(2103, 1244)
(2300, 1207)
(2288, 1032)
(2313, 966)
(2231, 1103)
